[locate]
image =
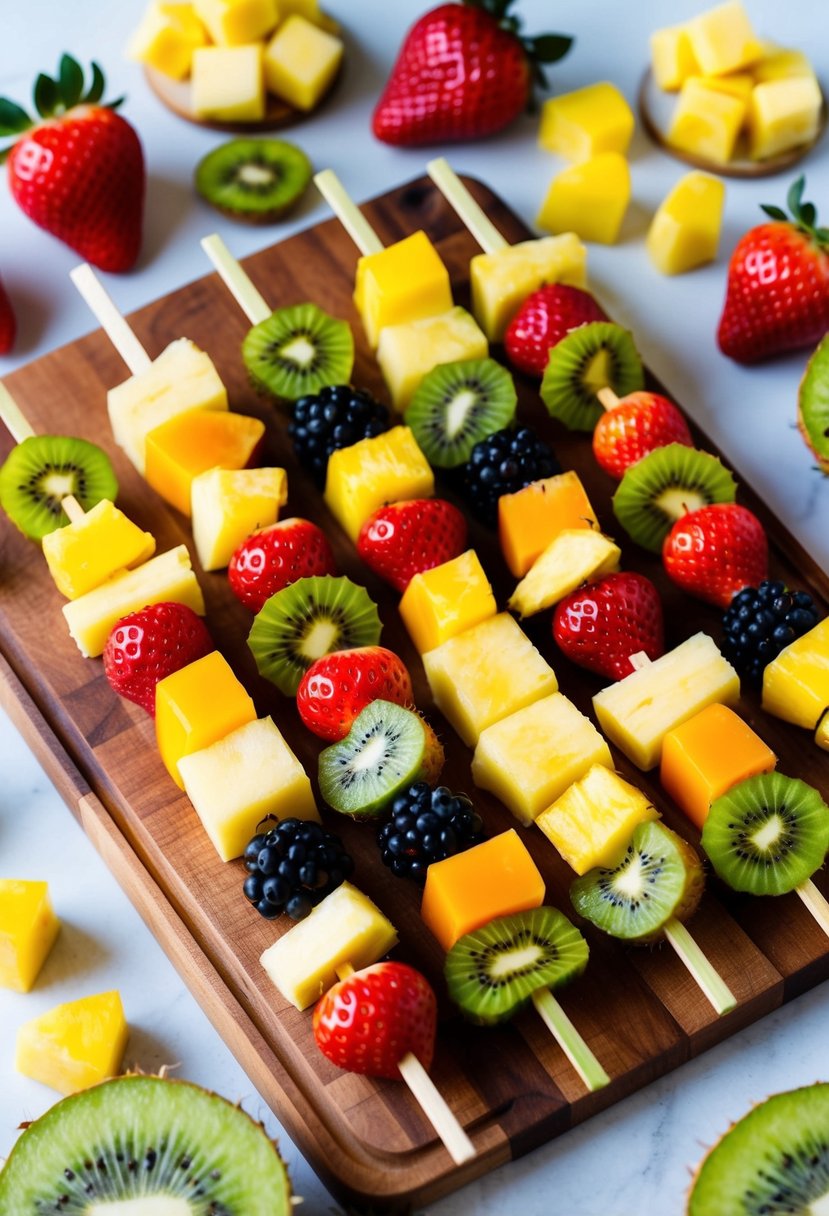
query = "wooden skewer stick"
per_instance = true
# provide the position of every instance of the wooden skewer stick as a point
(21, 429)
(110, 319)
(569, 1040)
(608, 398)
(347, 212)
(473, 216)
(252, 304)
(817, 904)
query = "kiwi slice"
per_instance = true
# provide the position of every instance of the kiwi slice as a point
(42, 470)
(659, 878)
(141, 1143)
(813, 404)
(666, 484)
(772, 1162)
(298, 350)
(591, 357)
(457, 404)
(381, 755)
(306, 620)
(768, 834)
(255, 180)
(493, 971)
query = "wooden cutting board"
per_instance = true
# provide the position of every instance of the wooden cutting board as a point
(511, 1087)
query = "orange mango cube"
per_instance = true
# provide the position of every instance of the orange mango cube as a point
(533, 517)
(442, 602)
(191, 443)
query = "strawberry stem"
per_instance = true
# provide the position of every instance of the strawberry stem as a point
(803, 215)
(52, 98)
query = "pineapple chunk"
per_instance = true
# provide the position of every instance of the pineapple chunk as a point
(403, 282)
(783, 114)
(28, 928)
(301, 61)
(571, 558)
(228, 83)
(637, 712)
(672, 60)
(444, 601)
(228, 505)
(501, 281)
(589, 198)
(166, 38)
(533, 517)
(74, 1045)
(781, 64)
(346, 928)
(737, 84)
(685, 230)
(581, 124)
(406, 352)
(233, 22)
(191, 443)
(91, 549)
(706, 121)
(592, 822)
(723, 40)
(822, 732)
(367, 475)
(796, 683)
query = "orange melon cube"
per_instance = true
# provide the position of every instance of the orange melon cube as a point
(533, 517)
(705, 756)
(189, 444)
(496, 878)
(442, 602)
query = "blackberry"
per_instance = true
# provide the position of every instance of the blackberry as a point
(294, 866)
(427, 825)
(333, 418)
(760, 621)
(502, 463)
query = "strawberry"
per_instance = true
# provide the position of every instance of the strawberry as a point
(463, 72)
(367, 1022)
(146, 646)
(80, 173)
(602, 624)
(405, 538)
(777, 296)
(543, 320)
(713, 552)
(8, 322)
(639, 423)
(336, 687)
(277, 556)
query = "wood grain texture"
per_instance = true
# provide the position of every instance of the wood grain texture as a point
(511, 1088)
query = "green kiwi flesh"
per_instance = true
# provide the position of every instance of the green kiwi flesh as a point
(382, 754)
(147, 1142)
(306, 620)
(659, 878)
(456, 405)
(663, 486)
(42, 470)
(591, 357)
(493, 971)
(772, 1162)
(813, 404)
(298, 350)
(767, 834)
(255, 180)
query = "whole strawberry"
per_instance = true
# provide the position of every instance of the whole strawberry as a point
(602, 624)
(714, 552)
(639, 423)
(463, 72)
(80, 173)
(543, 320)
(368, 1022)
(8, 322)
(336, 687)
(146, 646)
(777, 296)
(405, 538)
(277, 556)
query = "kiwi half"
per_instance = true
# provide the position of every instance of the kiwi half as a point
(768, 834)
(813, 404)
(306, 620)
(143, 1140)
(591, 357)
(255, 180)
(493, 971)
(666, 484)
(298, 350)
(383, 753)
(42, 470)
(456, 405)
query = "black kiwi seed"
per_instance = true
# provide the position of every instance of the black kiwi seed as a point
(42, 470)
(255, 180)
(456, 405)
(591, 357)
(298, 350)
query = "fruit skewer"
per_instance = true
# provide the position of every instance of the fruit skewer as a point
(20, 430)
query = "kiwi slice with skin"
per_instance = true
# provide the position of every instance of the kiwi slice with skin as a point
(383, 753)
(659, 878)
(772, 1162)
(306, 620)
(590, 357)
(767, 834)
(254, 180)
(456, 405)
(493, 971)
(666, 484)
(141, 1142)
(42, 470)
(813, 404)
(298, 350)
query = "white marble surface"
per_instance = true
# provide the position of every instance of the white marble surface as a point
(636, 1157)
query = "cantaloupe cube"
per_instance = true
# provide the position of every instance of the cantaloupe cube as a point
(796, 683)
(367, 475)
(301, 60)
(723, 40)
(191, 443)
(228, 83)
(444, 601)
(406, 352)
(592, 822)
(28, 928)
(783, 114)
(233, 22)
(581, 124)
(403, 282)
(779, 63)
(572, 556)
(685, 230)
(529, 758)
(228, 504)
(672, 60)
(92, 548)
(166, 38)
(589, 198)
(533, 517)
(706, 121)
(495, 878)
(74, 1045)
(501, 281)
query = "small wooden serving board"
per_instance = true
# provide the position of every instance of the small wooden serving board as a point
(511, 1087)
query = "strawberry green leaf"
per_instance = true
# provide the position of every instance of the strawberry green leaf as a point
(70, 81)
(549, 48)
(808, 214)
(775, 213)
(13, 119)
(46, 95)
(795, 195)
(113, 105)
(96, 89)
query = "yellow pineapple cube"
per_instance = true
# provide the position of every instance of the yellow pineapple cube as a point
(227, 505)
(406, 352)
(589, 198)
(367, 475)
(572, 557)
(74, 1045)
(685, 230)
(28, 928)
(672, 60)
(779, 63)
(301, 61)
(783, 114)
(486, 673)
(501, 281)
(528, 759)
(706, 121)
(91, 549)
(736, 84)
(166, 38)
(796, 683)
(444, 601)
(822, 733)
(403, 282)
(723, 40)
(228, 83)
(581, 124)
(592, 822)
(233, 22)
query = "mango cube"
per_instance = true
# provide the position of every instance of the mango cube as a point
(533, 517)
(495, 878)
(228, 504)
(528, 759)
(501, 281)
(444, 601)
(703, 757)
(672, 60)
(233, 22)
(592, 822)
(406, 352)
(196, 706)
(685, 230)
(345, 928)
(91, 549)
(301, 61)
(166, 38)
(74, 1045)
(191, 443)
(822, 733)
(589, 198)
(572, 556)
(28, 928)
(367, 475)
(796, 683)
(581, 124)
(706, 121)
(228, 83)
(403, 282)
(783, 114)
(723, 40)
